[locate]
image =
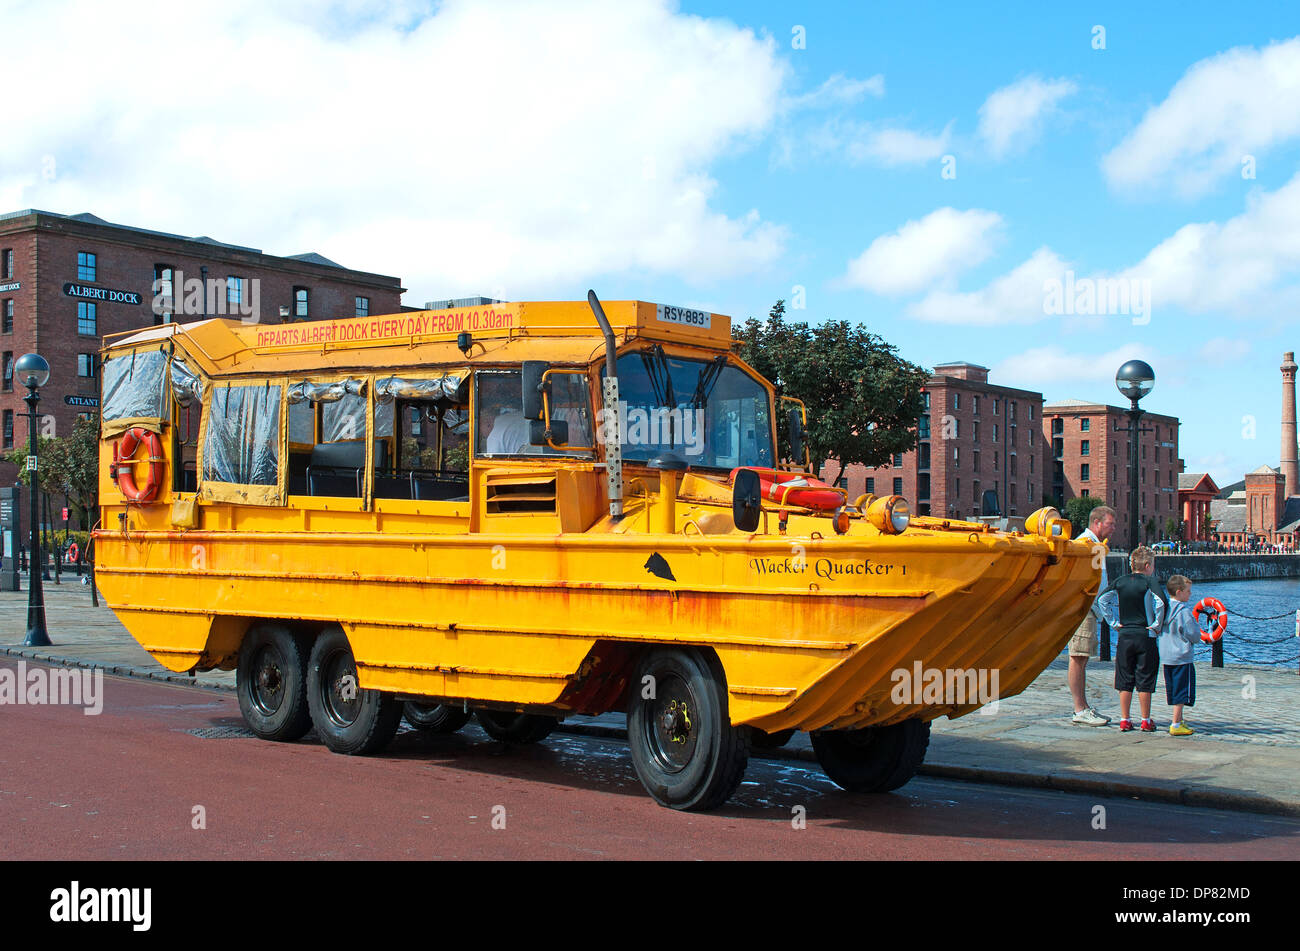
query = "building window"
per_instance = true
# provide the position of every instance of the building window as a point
(1031, 465)
(86, 322)
(926, 395)
(234, 290)
(995, 432)
(363, 306)
(976, 493)
(7, 263)
(8, 384)
(1085, 447)
(923, 456)
(841, 483)
(1058, 426)
(975, 406)
(1031, 437)
(88, 365)
(1114, 497)
(1085, 425)
(996, 403)
(975, 460)
(898, 486)
(1144, 450)
(871, 486)
(956, 429)
(956, 401)
(995, 462)
(9, 316)
(1013, 464)
(9, 429)
(164, 299)
(922, 427)
(1084, 473)
(1083, 493)
(86, 266)
(1031, 412)
(898, 460)
(1013, 411)
(300, 303)
(956, 456)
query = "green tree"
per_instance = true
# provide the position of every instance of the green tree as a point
(1171, 527)
(68, 464)
(1078, 510)
(1150, 527)
(864, 401)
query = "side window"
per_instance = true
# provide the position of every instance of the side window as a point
(242, 445)
(424, 420)
(502, 427)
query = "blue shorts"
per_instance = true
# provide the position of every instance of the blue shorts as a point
(1180, 684)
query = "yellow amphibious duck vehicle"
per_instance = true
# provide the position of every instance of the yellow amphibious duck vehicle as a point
(530, 511)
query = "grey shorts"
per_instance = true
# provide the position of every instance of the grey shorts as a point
(1084, 641)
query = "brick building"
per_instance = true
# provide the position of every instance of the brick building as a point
(1090, 457)
(979, 450)
(67, 281)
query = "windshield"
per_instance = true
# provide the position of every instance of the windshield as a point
(711, 414)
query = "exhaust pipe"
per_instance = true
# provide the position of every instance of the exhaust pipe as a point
(613, 437)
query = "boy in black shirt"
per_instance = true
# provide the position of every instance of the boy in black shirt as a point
(1135, 606)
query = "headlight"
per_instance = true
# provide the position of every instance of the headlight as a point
(890, 514)
(1037, 522)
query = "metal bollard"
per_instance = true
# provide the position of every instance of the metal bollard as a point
(1104, 642)
(1216, 652)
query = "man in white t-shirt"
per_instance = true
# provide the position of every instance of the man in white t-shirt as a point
(1083, 644)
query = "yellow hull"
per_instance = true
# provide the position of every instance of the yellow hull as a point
(811, 632)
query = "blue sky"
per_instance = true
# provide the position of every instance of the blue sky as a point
(693, 154)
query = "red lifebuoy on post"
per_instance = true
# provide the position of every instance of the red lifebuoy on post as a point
(124, 455)
(1214, 609)
(789, 488)
(73, 552)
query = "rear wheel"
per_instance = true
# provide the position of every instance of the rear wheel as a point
(271, 683)
(873, 759)
(434, 717)
(517, 728)
(348, 719)
(684, 748)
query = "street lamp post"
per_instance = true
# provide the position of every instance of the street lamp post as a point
(33, 372)
(1135, 380)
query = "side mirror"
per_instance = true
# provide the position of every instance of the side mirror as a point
(746, 500)
(537, 432)
(532, 377)
(796, 436)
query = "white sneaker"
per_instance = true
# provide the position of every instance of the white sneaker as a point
(1090, 717)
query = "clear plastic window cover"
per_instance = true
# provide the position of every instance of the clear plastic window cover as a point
(243, 439)
(307, 392)
(187, 386)
(300, 423)
(433, 387)
(346, 419)
(134, 385)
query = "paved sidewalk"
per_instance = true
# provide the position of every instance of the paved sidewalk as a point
(1245, 754)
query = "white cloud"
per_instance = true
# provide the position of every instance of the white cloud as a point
(1236, 103)
(871, 142)
(1062, 374)
(1011, 117)
(934, 249)
(520, 145)
(1224, 348)
(839, 91)
(1015, 297)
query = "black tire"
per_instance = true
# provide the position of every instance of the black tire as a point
(519, 729)
(434, 717)
(685, 750)
(347, 719)
(271, 683)
(874, 759)
(770, 741)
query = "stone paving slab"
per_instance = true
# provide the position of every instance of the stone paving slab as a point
(1243, 756)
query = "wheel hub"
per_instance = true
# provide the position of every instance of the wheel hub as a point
(268, 682)
(671, 729)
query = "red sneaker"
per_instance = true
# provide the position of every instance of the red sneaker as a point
(1148, 726)
(1125, 726)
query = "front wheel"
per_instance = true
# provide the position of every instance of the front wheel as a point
(684, 748)
(348, 719)
(873, 759)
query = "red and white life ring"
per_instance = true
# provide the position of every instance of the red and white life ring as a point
(789, 488)
(1214, 609)
(72, 553)
(123, 456)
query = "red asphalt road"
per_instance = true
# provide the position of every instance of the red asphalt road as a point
(125, 784)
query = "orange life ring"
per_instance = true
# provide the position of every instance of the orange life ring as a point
(123, 457)
(1213, 608)
(790, 488)
(72, 553)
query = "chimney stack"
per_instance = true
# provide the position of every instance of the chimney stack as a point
(1290, 468)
